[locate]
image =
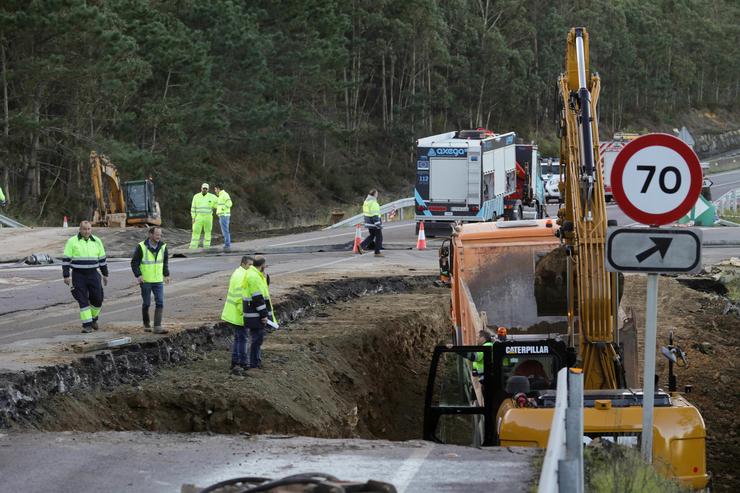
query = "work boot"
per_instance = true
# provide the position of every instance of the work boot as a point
(95, 324)
(86, 329)
(145, 318)
(379, 255)
(158, 320)
(237, 369)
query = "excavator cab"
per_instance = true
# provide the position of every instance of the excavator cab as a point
(141, 206)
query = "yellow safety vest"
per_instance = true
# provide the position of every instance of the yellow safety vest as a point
(233, 310)
(257, 298)
(84, 254)
(152, 266)
(203, 205)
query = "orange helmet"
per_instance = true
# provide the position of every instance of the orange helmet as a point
(501, 331)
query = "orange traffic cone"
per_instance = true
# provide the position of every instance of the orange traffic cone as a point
(358, 239)
(421, 243)
(65, 224)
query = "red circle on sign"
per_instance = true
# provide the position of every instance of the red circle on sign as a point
(656, 140)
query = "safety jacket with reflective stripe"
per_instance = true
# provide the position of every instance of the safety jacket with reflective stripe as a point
(2, 195)
(233, 308)
(223, 204)
(371, 211)
(256, 301)
(203, 205)
(478, 363)
(152, 263)
(84, 255)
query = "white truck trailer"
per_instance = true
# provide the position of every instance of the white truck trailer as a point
(463, 176)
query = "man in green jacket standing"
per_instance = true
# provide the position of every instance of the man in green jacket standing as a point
(371, 211)
(3, 202)
(201, 210)
(257, 309)
(233, 315)
(223, 211)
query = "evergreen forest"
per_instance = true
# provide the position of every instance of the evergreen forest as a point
(297, 106)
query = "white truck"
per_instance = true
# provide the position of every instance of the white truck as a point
(608, 151)
(463, 176)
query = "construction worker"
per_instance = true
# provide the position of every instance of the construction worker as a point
(150, 266)
(257, 309)
(371, 211)
(484, 339)
(233, 315)
(223, 211)
(201, 211)
(84, 255)
(3, 202)
(501, 334)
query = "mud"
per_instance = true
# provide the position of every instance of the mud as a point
(353, 369)
(706, 327)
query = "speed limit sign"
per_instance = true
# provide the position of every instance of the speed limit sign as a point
(656, 179)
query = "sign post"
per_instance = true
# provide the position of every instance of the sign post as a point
(656, 179)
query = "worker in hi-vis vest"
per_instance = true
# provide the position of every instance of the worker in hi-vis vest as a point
(150, 266)
(258, 314)
(371, 212)
(201, 211)
(83, 256)
(233, 315)
(223, 211)
(3, 202)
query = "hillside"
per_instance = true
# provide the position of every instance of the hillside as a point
(301, 106)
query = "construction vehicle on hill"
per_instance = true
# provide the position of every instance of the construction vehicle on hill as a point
(547, 284)
(132, 204)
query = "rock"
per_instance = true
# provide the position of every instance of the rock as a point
(725, 379)
(703, 347)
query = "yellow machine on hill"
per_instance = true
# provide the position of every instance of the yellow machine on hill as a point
(547, 285)
(132, 204)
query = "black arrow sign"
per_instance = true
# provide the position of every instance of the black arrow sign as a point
(661, 245)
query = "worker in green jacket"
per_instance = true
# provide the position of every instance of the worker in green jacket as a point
(485, 338)
(371, 212)
(258, 314)
(223, 211)
(233, 315)
(201, 211)
(3, 202)
(83, 256)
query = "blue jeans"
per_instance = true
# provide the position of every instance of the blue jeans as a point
(224, 222)
(239, 349)
(147, 289)
(255, 347)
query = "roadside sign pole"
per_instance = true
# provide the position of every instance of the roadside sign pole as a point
(648, 379)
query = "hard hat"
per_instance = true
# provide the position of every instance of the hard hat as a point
(205, 185)
(501, 331)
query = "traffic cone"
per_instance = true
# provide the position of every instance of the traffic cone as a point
(421, 243)
(65, 224)
(358, 239)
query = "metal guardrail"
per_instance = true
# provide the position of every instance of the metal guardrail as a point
(728, 202)
(385, 209)
(10, 223)
(562, 469)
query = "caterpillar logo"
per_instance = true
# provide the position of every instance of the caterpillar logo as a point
(527, 350)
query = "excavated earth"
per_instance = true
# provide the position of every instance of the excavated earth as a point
(706, 325)
(352, 369)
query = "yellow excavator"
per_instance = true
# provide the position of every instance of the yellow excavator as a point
(546, 284)
(132, 204)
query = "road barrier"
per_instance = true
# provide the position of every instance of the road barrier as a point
(9, 223)
(398, 205)
(728, 203)
(562, 469)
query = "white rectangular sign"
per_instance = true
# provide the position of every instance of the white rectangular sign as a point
(657, 250)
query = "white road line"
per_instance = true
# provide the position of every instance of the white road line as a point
(348, 233)
(410, 468)
(182, 285)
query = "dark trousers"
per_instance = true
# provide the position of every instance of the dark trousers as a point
(255, 346)
(87, 290)
(375, 236)
(239, 348)
(149, 288)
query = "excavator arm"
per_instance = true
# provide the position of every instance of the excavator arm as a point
(109, 198)
(583, 218)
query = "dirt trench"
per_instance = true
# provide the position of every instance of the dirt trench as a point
(354, 369)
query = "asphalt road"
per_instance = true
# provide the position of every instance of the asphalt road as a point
(154, 463)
